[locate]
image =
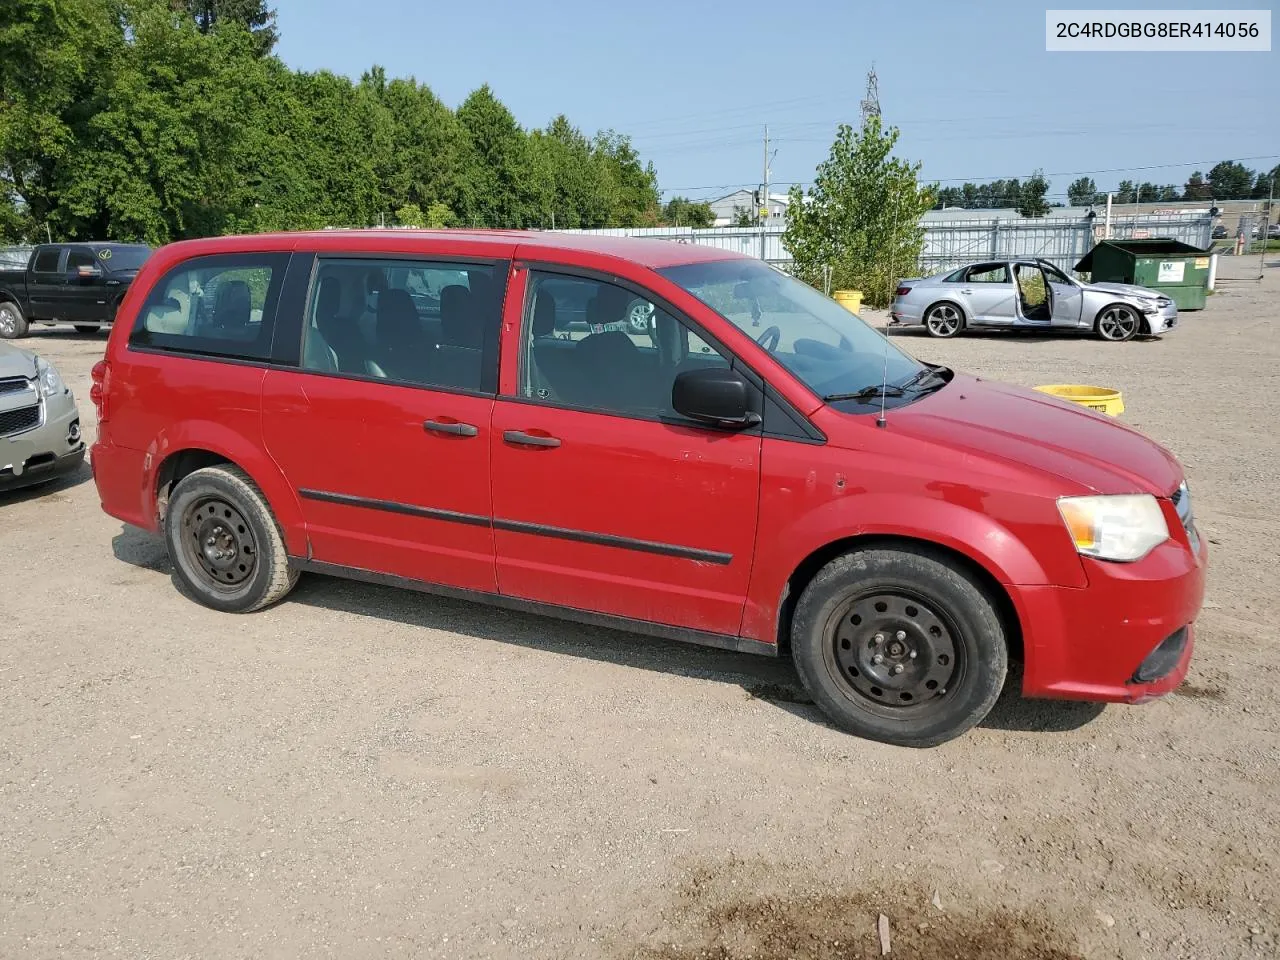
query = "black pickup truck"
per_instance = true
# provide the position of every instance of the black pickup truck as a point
(76, 283)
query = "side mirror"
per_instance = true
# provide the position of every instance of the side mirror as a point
(88, 270)
(716, 395)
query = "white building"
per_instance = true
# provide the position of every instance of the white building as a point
(725, 208)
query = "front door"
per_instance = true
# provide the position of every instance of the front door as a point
(383, 430)
(989, 291)
(1068, 298)
(604, 499)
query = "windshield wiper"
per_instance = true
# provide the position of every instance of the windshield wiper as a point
(867, 393)
(921, 376)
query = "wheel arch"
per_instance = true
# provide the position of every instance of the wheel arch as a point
(176, 457)
(808, 568)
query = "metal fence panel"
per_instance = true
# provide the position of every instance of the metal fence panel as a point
(952, 243)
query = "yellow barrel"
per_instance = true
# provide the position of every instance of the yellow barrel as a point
(851, 300)
(1103, 399)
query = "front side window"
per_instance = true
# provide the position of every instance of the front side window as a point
(77, 258)
(829, 349)
(426, 323)
(219, 305)
(597, 346)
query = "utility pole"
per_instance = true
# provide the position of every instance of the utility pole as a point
(1263, 231)
(764, 217)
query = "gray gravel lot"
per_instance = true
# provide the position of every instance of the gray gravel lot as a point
(366, 772)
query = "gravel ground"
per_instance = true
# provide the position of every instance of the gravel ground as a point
(366, 772)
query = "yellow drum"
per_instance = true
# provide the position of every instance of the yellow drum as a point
(851, 300)
(1103, 399)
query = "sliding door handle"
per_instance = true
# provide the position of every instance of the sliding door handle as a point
(451, 429)
(529, 439)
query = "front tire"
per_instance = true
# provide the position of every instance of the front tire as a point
(943, 320)
(225, 545)
(1117, 323)
(12, 323)
(899, 646)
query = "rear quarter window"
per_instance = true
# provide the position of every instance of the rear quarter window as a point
(221, 306)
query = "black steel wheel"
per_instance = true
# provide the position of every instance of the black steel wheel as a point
(219, 542)
(899, 645)
(226, 547)
(895, 651)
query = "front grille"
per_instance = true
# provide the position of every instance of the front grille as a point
(14, 385)
(16, 421)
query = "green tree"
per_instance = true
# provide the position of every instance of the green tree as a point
(439, 215)
(1230, 180)
(1196, 188)
(683, 212)
(861, 217)
(1267, 181)
(1168, 192)
(1083, 192)
(743, 217)
(499, 188)
(1126, 192)
(252, 15)
(411, 215)
(1031, 201)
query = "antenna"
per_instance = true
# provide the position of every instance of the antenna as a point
(884, 383)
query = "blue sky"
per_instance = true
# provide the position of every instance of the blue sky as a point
(973, 90)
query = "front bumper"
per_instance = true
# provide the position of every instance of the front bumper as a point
(51, 449)
(1163, 321)
(1100, 642)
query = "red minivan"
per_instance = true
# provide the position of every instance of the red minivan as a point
(477, 414)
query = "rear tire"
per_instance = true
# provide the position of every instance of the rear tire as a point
(899, 646)
(225, 545)
(12, 323)
(88, 327)
(943, 320)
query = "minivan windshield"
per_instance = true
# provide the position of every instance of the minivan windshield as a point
(831, 350)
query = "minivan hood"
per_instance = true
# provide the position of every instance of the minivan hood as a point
(1127, 289)
(1024, 426)
(16, 363)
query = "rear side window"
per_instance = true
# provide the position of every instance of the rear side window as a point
(222, 306)
(78, 258)
(430, 323)
(46, 261)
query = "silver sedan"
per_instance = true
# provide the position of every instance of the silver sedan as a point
(1029, 294)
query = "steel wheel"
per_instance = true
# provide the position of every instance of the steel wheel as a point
(895, 653)
(12, 325)
(944, 320)
(219, 542)
(1117, 324)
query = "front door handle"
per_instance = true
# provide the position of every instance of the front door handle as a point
(451, 429)
(967, 292)
(529, 439)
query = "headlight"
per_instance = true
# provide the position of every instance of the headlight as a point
(50, 382)
(1125, 527)
(1149, 306)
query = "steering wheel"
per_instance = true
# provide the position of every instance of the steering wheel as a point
(770, 338)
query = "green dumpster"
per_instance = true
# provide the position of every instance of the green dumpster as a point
(1178, 270)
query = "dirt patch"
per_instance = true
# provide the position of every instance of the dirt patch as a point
(778, 693)
(1201, 691)
(842, 925)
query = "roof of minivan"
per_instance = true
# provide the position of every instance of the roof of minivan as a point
(644, 251)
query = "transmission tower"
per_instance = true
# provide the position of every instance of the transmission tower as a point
(871, 102)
